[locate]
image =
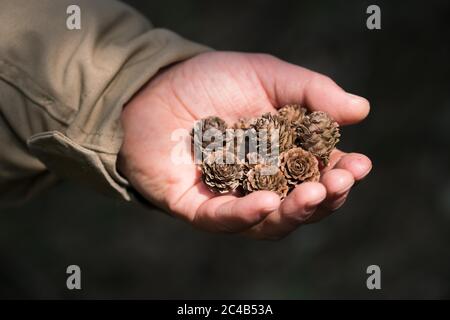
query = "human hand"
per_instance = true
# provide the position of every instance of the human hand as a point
(232, 86)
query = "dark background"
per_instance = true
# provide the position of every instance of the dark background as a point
(398, 218)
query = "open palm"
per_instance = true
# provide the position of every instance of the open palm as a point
(232, 86)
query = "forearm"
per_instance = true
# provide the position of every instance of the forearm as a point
(63, 90)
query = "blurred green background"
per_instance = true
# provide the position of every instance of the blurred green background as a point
(399, 218)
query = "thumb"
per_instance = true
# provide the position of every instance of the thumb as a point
(287, 83)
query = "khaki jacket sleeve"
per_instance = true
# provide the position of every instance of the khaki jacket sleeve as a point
(62, 91)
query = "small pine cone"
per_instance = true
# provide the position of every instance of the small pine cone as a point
(299, 166)
(203, 125)
(244, 139)
(286, 134)
(267, 121)
(266, 177)
(222, 172)
(319, 134)
(244, 124)
(254, 159)
(293, 113)
(263, 127)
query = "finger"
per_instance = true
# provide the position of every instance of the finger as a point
(299, 205)
(325, 211)
(335, 156)
(338, 183)
(287, 83)
(322, 93)
(358, 164)
(231, 214)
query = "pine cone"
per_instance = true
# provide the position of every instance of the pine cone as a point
(202, 126)
(318, 134)
(244, 138)
(293, 113)
(288, 136)
(299, 166)
(266, 177)
(222, 172)
(264, 126)
(244, 124)
(253, 159)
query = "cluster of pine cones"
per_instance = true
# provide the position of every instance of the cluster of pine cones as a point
(303, 144)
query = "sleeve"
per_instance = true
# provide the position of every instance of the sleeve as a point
(62, 90)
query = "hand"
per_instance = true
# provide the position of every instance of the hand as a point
(233, 85)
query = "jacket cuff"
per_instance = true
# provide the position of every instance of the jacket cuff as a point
(68, 159)
(87, 151)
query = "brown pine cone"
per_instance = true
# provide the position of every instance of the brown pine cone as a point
(253, 159)
(208, 140)
(293, 113)
(266, 177)
(264, 126)
(299, 166)
(244, 139)
(222, 172)
(319, 134)
(243, 124)
(288, 136)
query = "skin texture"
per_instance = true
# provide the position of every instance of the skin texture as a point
(234, 85)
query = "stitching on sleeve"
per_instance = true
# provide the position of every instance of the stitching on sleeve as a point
(31, 90)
